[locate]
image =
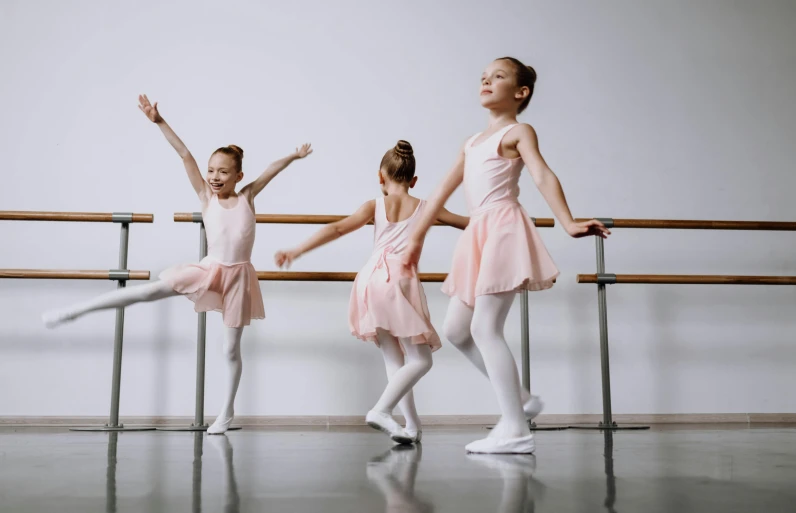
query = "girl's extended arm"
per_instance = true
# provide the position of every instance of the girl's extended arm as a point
(328, 233)
(433, 210)
(452, 219)
(550, 187)
(276, 167)
(194, 175)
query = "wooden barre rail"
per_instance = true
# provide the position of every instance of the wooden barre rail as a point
(85, 217)
(683, 224)
(687, 279)
(188, 217)
(57, 274)
(330, 276)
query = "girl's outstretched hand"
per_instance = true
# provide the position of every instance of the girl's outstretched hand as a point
(588, 228)
(150, 110)
(303, 151)
(412, 255)
(284, 258)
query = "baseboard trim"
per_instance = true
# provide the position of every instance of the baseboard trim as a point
(430, 420)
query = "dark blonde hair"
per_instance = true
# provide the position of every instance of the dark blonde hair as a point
(236, 152)
(525, 76)
(399, 162)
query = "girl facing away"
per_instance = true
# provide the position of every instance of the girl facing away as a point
(388, 305)
(225, 281)
(500, 252)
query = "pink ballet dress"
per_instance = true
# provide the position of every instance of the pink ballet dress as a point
(386, 295)
(500, 251)
(225, 280)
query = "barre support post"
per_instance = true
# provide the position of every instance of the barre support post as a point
(604, 279)
(118, 338)
(201, 345)
(121, 275)
(602, 308)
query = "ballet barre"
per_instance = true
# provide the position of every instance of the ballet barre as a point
(120, 275)
(196, 217)
(685, 279)
(326, 276)
(59, 274)
(685, 224)
(76, 217)
(601, 279)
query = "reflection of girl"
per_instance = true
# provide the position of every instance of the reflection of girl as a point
(394, 474)
(520, 489)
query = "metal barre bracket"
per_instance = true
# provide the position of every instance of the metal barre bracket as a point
(122, 217)
(196, 217)
(607, 221)
(119, 274)
(606, 279)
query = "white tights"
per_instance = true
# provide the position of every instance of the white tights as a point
(234, 365)
(478, 334)
(116, 299)
(153, 292)
(403, 372)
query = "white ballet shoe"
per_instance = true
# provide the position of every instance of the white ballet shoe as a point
(408, 437)
(533, 407)
(55, 318)
(384, 423)
(521, 445)
(220, 426)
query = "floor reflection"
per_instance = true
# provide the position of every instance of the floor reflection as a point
(222, 447)
(393, 473)
(520, 489)
(110, 473)
(610, 479)
(352, 470)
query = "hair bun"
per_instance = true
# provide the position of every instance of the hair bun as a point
(236, 149)
(533, 72)
(404, 149)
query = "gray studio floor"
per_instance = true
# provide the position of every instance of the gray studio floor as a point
(676, 468)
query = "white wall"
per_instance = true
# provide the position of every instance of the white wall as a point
(647, 110)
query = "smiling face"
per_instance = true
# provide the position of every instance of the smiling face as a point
(502, 87)
(223, 174)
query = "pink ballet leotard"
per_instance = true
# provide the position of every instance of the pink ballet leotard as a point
(500, 250)
(386, 295)
(225, 280)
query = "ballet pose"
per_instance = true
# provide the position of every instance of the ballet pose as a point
(388, 305)
(225, 280)
(500, 252)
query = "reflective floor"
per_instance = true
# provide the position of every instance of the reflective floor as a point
(357, 470)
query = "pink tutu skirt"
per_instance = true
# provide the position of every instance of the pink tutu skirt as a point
(388, 297)
(232, 289)
(499, 251)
